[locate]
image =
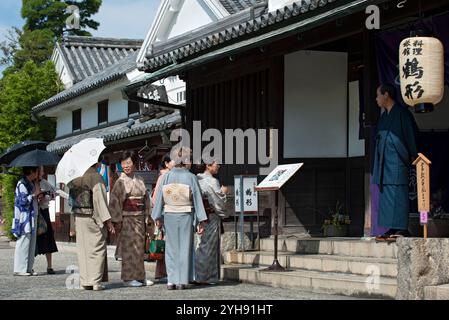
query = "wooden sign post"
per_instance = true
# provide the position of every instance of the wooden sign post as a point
(423, 181)
(247, 204)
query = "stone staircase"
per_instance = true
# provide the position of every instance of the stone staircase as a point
(436, 292)
(344, 266)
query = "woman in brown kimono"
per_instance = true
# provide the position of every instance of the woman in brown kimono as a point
(130, 209)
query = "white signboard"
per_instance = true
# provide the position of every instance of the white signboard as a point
(237, 194)
(250, 198)
(280, 175)
(250, 194)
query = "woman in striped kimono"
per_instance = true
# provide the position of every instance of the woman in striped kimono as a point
(207, 251)
(179, 207)
(130, 209)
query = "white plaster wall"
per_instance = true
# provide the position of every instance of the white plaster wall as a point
(118, 107)
(173, 85)
(62, 71)
(89, 116)
(315, 115)
(191, 16)
(278, 4)
(63, 124)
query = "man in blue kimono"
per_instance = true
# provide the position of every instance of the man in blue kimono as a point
(394, 154)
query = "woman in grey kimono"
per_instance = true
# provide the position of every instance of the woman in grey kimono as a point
(207, 251)
(179, 207)
(130, 210)
(24, 224)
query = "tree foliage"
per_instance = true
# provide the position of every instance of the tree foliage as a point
(21, 91)
(31, 78)
(52, 15)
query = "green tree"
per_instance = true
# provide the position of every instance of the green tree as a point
(30, 78)
(10, 46)
(45, 23)
(36, 45)
(21, 91)
(8, 183)
(52, 15)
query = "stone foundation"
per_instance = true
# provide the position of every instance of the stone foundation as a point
(421, 263)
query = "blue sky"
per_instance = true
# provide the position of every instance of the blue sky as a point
(118, 18)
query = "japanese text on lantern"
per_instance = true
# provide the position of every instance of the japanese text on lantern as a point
(413, 50)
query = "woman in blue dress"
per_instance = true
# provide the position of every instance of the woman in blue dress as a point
(179, 207)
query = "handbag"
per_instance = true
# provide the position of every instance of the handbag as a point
(157, 246)
(41, 225)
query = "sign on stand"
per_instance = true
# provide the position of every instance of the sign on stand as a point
(246, 204)
(274, 182)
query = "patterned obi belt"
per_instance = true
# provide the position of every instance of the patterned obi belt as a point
(134, 204)
(177, 198)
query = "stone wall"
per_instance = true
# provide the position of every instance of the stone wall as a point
(421, 263)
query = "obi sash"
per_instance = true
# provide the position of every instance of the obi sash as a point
(207, 207)
(177, 198)
(81, 197)
(134, 204)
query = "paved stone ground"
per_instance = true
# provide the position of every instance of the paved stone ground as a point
(53, 287)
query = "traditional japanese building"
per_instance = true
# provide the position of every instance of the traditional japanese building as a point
(309, 69)
(94, 72)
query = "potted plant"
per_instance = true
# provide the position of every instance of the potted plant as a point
(337, 224)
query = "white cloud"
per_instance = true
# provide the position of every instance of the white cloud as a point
(125, 19)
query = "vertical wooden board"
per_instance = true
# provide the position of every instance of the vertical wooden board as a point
(423, 184)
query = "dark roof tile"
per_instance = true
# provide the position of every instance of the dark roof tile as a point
(118, 132)
(234, 6)
(105, 76)
(203, 39)
(86, 56)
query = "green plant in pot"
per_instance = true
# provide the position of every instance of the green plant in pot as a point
(337, 224)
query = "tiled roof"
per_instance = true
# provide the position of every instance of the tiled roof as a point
(234, 6)
(86, 56)
(204, 40)
(119, 132)
(108, 75)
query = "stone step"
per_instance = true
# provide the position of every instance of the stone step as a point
(314, 281)
(436, 292)
(354, 247)
(386, 267)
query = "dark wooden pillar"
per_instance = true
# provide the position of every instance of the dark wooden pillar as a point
(370, 82)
